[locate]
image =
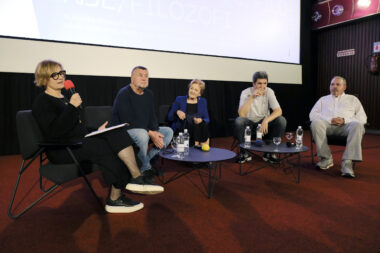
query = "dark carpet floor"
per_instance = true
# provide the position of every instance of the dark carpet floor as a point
(265, 211)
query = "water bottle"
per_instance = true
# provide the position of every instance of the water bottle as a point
(186, 139)
(247, 137)
(299, 136)
(259, 133)
(180, 146)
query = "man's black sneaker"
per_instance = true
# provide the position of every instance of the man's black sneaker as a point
(243, 157)
(141, 185)
(148, 176)
(270, 157)
(247, 157)
(240, 158)
(123, 205)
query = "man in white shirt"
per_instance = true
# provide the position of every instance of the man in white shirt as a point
(338, 114)
(254, 106)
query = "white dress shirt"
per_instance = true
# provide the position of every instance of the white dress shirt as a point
(344, 106)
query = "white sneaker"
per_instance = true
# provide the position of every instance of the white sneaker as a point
(347, 170)
(139, 185)
(325, 163)
(123, 205)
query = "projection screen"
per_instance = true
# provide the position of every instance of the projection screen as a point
(207, 39)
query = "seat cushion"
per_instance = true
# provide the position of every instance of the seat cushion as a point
(62, 173)
(59, 173)
(336, 140)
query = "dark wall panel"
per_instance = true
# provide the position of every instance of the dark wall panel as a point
(360, 36)
(17, 92)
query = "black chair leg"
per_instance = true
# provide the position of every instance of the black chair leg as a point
(84, 177)
(47, 192)
(311, 148)
(234, 144)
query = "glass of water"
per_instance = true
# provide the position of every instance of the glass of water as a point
(178, 147)
(174, 145)
(276, 141)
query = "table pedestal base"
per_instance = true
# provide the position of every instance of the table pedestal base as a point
(295, 168)
(212, 170)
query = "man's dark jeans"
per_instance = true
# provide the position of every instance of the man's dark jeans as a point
(276, 128)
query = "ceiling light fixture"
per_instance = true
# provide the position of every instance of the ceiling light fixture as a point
(364, 4)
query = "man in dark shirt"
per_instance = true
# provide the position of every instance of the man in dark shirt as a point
(134, 104)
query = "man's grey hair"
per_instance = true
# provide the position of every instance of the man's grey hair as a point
(340, 77)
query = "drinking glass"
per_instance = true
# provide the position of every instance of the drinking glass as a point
(174, 146)
(276, 141)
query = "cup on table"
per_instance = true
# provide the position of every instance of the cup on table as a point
(276, 141)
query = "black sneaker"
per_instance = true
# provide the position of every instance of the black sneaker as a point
(247, 157)
(243, 157)
(140, 185)
(123, 205)
(240, 158)
(148, 176)
(270, 157)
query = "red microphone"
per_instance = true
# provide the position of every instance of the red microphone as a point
(69, 85)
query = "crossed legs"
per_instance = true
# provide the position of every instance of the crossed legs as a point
(141, 139)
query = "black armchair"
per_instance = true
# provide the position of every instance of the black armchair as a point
(32, 147)
(163, 112)
(95, 116)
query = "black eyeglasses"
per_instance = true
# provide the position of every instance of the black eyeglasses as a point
(56, 75)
